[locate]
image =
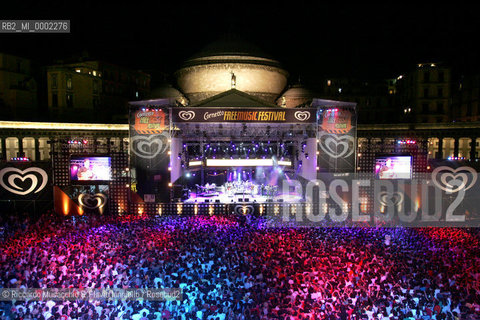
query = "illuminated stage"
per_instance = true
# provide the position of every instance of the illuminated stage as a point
(236, 149)
(239, 192)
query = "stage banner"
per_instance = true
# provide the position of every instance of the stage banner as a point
(93, 202)
(336, 137)
(257, 115)
(25, 181)
(149, 150)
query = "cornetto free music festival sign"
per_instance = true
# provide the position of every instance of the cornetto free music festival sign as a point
(244, 115)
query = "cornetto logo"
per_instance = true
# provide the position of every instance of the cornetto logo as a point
(302, 115)
(454, 180)
(186, 115)
(144, 114)
(217, 114)
(336, 146)
(91, 202)
(23, 182)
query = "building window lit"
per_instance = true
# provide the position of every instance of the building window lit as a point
(69, 82)
(329, 83)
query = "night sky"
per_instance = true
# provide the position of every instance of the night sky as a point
(310, 40)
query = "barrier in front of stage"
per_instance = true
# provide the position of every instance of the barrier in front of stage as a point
(259, 209)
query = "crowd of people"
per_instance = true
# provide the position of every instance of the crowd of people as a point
(232, 270)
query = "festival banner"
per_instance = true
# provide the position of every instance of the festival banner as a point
(257, 115)
(336, 137)
(149, 151)
(149, 121)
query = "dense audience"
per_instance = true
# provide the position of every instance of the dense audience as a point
(232, 270)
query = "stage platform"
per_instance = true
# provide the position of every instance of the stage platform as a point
(242, 198)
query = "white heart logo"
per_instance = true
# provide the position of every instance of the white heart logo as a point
(396, 198)
(330, 145)
(186, 115)
(454, 180)
(149, 147)
(302, 115)
(14, 174)
(243, 209)
(92, 202)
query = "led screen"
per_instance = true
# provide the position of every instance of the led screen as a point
(394, 167)
(92, 169)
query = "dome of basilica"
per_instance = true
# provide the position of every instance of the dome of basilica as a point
(231, 63)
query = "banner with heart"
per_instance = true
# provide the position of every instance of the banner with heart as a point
(390, 198)
(148, 147)
(92, 201)
(302, 115)
(186, 115)
(453, 180)
(243, 209)
(23, 182)
(336, 146)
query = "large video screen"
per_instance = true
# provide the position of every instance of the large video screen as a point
(393, 167)
(90, 169)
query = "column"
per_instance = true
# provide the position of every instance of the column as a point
(473, 148)
(455, 147)
(4, 148)
(20, 147)
(440, 148)
(37, 149)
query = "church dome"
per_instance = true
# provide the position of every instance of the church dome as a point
(231, 63)
(295, 96)
(167, 91)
